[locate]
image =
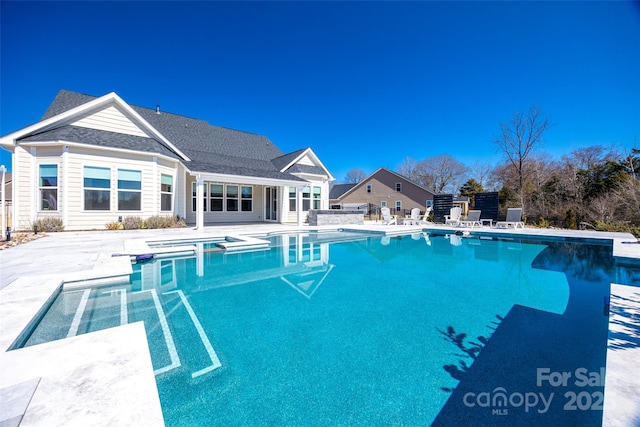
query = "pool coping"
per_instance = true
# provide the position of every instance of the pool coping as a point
(139, 385)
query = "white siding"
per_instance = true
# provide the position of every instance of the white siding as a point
(110, 119)
(306, 161)
(22, 192)
(80, 219)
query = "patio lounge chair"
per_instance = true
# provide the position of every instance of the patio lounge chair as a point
(454, 216)
(472, 220)
(413, 219)
(425, 218)
(514, 218)
(387, 218)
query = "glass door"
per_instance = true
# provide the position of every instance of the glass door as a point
(271, 203)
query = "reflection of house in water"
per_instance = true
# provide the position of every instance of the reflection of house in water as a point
(164, 285)
(299, 260)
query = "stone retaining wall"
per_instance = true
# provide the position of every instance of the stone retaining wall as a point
(335, 217)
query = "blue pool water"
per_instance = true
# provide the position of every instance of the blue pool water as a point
(322, 329)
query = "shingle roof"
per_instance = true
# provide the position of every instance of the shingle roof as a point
(283, 160)
(338, 190)
(211, 148)
(101, 138)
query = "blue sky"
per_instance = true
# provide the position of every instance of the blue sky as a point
(365, 84)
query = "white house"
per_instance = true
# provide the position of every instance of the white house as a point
(94, 160)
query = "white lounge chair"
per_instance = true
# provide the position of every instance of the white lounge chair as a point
(514, 218)
(454, 216)
(472, 220)
(425, 218)
(413, 219)
(387, 218)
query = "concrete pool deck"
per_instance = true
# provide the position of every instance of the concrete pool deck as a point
(92, 379)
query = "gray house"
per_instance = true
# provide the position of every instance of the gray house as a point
(93, 160)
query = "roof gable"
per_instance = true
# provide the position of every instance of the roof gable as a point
(386, 171)
(77, 113)
(302, 162)
(111, 118)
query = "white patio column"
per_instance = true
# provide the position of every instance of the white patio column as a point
(2, 203)
(299, 205)
(199, 210)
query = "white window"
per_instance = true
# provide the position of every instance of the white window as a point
(216, 197)
(398, 186)
(368, 188)
(398, 205)
(317, 197)
(166, 192)
(48, 187)
(194, 196)
(247, 198)
(292, 199)
(232, 198)
(97, 188)
(306, 198)
(129, 190)
(383, 204)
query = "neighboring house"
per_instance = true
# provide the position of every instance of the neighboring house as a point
(94, 160)
(335, 192)
(385, 188)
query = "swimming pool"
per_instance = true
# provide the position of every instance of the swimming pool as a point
(319, 330)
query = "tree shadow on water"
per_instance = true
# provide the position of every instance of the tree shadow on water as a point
(469, 350)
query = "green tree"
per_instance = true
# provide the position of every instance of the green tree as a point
(470, 189)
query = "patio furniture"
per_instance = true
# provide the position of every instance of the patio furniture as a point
(453, 217)
(472, 220)
(387, 218)
(514, 218)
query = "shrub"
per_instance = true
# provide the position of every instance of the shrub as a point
(132, 223)
(164, 221)
(570, 220)
(623, 227)
(49, 224)
(115, 225)
(543, 223)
